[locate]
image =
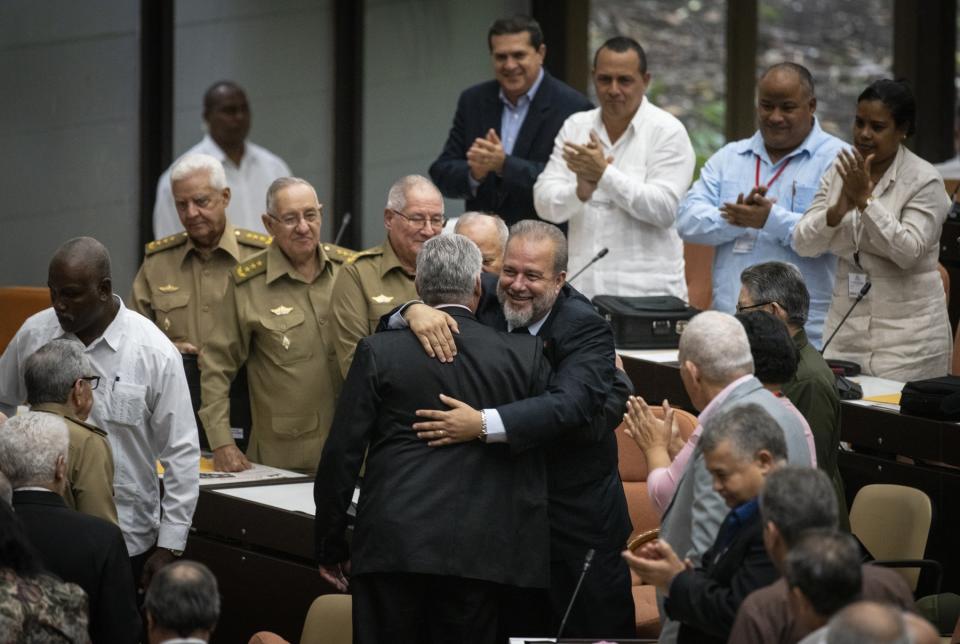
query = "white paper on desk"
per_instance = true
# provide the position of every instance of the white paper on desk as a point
(652, 355)
(257, 473)
(293, 497)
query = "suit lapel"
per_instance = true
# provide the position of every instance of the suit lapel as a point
(492, 113)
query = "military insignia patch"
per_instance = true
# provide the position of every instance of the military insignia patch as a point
(285, 343)
(382, 299)
(282, 310)
(168, 288)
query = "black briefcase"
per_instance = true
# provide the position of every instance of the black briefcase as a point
(653, 322)
(937, 398)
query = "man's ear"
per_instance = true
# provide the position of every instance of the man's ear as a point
(60, 469)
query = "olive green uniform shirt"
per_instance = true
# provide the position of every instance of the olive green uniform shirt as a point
(371, 284)
(89, 486)
(813, 391)
(277, 323)
(180, 290)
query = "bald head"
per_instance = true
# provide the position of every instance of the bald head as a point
(80, 288)
(85, 254)
(489, 233)
(868, 623)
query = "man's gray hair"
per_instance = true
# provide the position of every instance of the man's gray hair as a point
(749, 429)
(397, 195)
(467, 218)
(717, 343)
(6, 490)
(51, 371)
(194, 162)
(778, 282)
(30, 444)
(183, 598)
(535, 230)
(867, 621)
(447, 270)
(796, 499)
(280, 184)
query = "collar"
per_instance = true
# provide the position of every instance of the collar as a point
(113, 334)
(228, 244)
(36, 494)
(52, 408)
(720, 397)
(217, 152)
(389, 260)
(454, 306)
(534, 328)
(530, 94)
(890, 176)
(601, 129)
(747, 510)
(754, 145)
(279, 265)
(800, 340)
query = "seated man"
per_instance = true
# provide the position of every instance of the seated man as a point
(76, 547)
(868, 622)
(182, 602)
(489, 233)
(740, 447)
(60, 381)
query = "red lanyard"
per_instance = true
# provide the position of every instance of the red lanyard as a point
(776, 175)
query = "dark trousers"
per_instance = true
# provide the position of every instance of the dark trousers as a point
(417, 608)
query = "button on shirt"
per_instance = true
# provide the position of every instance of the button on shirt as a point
(144, 406)
(732, 171)
(633, 210)
(248, 184)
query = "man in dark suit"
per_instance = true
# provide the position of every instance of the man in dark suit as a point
(503, 131)
(574, 420)
(77, 547)
(741, 446)
(439, 533)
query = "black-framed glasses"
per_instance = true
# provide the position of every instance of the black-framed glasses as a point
(418, 221)
(93, 380)
(741, 309)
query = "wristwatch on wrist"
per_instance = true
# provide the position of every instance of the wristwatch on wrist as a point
(483, 427)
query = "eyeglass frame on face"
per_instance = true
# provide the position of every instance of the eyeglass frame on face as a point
(292, 220)
(741, 309)
(93, 381)
(419, 220)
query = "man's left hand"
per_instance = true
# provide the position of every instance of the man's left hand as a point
(586, 161)
(750, 211)
(337, 575)
(656, 563)
(161, 557)
(459, 424)
(486, 155)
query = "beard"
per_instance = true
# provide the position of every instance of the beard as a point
(532, 311)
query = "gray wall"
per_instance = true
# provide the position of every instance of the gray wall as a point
(68, 132)
(281, 53)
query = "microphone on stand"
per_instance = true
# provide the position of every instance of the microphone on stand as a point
(863, 293)
(589, 558)
(596, 258)
(343, 227)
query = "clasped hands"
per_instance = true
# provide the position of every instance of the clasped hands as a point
(855, 172)
(486, 155)
(657, 564)
(659, 439)
(750, 211)
(588, 162)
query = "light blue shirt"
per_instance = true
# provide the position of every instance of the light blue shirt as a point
(732, 171)
(511, 121)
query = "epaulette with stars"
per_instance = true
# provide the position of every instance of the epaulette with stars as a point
(370, 252)
(338, 254)
(164, 243)
(251, 267)
(251, 238)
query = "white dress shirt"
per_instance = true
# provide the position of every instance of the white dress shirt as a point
(633, 210)
(143, 404)
(248, 185)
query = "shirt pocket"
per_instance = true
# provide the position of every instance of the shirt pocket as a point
(128, 403)
(172, 313)
(286, 339)
(802, 199)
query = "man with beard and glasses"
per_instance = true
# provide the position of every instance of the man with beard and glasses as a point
(573, 420)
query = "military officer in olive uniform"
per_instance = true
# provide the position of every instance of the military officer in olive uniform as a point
(275, 320)
(58, 381)
(376, 280)
(184, 277)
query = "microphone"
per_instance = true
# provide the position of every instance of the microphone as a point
(343, 227)
(596, 258)
(863, 293)
(586, 560)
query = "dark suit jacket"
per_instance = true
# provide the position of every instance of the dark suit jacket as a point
(470, 510)
(480, 109)
(574, 419)
(89, 552)
(706, 600)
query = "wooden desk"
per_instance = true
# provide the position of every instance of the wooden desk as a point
(878, 435)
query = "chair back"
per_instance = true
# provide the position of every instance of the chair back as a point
(329, 621)
(893, 522)
(17, 303)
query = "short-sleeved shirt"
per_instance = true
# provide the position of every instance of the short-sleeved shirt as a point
(369, 286)
(278, 324)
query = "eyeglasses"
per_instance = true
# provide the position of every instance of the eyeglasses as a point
(93, 380)
(291, 220)
(418, 221)
(741, 309)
